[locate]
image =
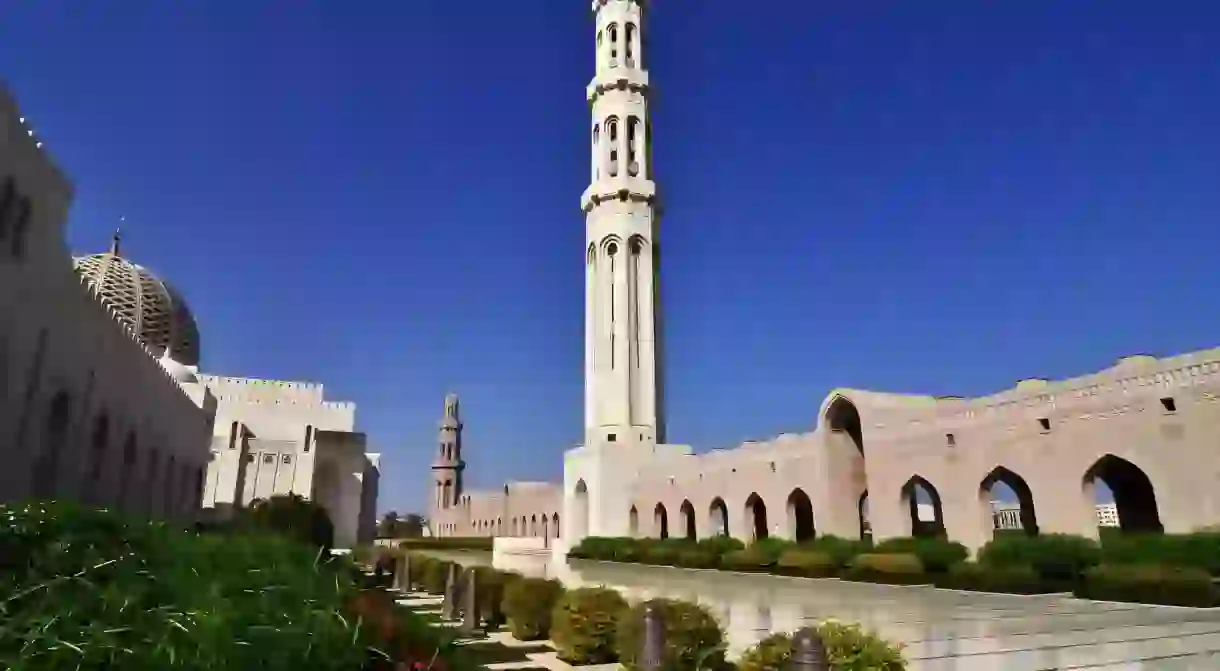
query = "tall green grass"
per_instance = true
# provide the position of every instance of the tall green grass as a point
(88, 589)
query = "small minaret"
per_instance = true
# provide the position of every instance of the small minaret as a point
(447, 467)
(623, 358)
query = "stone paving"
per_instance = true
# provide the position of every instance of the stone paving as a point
(942, 630)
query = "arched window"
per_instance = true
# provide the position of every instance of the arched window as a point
(555, 524)
(612, 138)
(633, 132)
(54, 439)
(97, 458)
(130, 458)
(613, 30)
(629, 45)
(597, 153)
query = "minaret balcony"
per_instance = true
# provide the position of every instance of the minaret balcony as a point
(618, 188)
(620, 78)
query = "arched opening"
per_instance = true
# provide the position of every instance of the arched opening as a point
(1009, 502)
(866, 527)
(446, 494)
(687, 512)
(534, 526)
(800, 516)
(629, 44)
(1127, 500)
(633, 522)
(514, 527)
(580, 512)
(718, 512)
(923, 502)
(546, 526)
(756, 513)
(612, 138)
(54, 437)
(844, 442)
(555, 524)
(98, 442)
(129, 464)
(660, 520)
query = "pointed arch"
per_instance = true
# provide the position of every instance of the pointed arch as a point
(1002, 519)
(1134, 495)
(800, 516)
(555, 524)
(687, 512)
(633, 522)
(923, 501)
(718, 514)
(756, 512)
(580, 511)
(660, 520)
(55, 430)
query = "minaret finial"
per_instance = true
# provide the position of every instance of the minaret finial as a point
(118, 236)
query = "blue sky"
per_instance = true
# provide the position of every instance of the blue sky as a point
(383, 196)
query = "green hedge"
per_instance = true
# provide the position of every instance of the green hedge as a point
(693, 637)
(1169, 585)
(849, 647)
(584, 625)
(1011, 579)
(528, 604)
(890, 568)
(448, 543)
(1057, 558)
(936, 554)
(1199, 550)
(807, 564)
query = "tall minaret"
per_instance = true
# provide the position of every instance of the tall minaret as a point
(623, 390)
(448, 466)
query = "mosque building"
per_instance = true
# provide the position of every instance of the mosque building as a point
(101, 396)
(875, 463)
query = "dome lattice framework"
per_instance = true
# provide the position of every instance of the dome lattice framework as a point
(144, 302)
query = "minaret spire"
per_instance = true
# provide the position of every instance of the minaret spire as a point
(116, 239)
(623, 389)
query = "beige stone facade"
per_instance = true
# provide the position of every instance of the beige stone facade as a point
(87, 412)
(518, 510)
(274, 437)
(1144, 427)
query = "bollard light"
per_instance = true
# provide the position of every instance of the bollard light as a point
(653, 646)
(808, 652)
(470, 603)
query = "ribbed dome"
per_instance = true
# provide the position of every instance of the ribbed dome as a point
(149, 305)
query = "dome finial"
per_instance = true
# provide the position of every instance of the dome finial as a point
(118, 236)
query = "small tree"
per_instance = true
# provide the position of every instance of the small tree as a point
(295, 517)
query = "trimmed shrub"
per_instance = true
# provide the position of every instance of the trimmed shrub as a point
(693, 638)
(628, 553)
(1058, 558)
(842, 550)
(936, 554)
(584, 623)
(448, 543)
(601, 548)
(1013, 579)
(772, 547)
(721, 545)
(295, 517)
(492, 584)
(528, 604)
(888, 568)
(806, 563)
(419, 569)
(435, 573)
(698, 557)
(849, 647)
(1200, 550)
(1168, 585)
(750, 560)
(662, 554)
